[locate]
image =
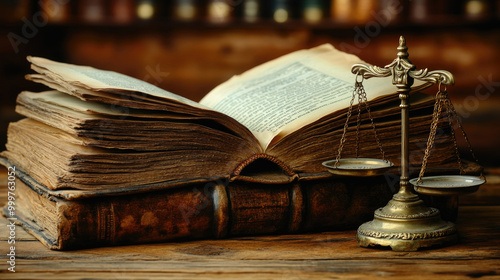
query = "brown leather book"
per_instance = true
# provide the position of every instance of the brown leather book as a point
(253, 203)
(69, 219)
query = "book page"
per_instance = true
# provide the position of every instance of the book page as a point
(61, 100)
(96, 79)
(283, 95)
(133, 95)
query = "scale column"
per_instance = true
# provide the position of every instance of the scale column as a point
(404, 189)
(403, 81)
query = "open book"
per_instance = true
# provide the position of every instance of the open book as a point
(99, 129)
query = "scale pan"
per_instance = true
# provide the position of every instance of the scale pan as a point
(447, 184)
(362, 167)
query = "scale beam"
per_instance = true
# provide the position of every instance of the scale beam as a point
(403, 71)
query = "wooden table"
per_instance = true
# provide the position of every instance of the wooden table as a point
(328, 255)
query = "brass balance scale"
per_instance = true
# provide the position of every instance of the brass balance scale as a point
(405, 223)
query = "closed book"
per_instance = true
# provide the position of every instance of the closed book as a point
(207, 209)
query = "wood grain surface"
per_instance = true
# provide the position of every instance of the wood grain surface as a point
(329, 255)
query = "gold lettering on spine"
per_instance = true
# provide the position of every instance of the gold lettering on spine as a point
(106, 223)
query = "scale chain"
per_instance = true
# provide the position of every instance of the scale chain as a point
(359, 90)
(450, 123)
(438, 106)
(349, 113)
(443, 99)
(454, 115)
(365, 101)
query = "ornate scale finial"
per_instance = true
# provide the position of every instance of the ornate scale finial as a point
(403, 49)
(402, 41)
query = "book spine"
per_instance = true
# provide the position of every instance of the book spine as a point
(281, 10)
(251, 10)
(342, 10)
(220, 11)
(219, 210)
(313, 10)
(185, 10)
(140, 218)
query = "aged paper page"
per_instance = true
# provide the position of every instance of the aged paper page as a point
(96, 79)
(73, 104)
(283, 95)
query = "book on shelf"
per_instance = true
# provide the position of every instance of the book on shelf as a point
(313, 10)
(100, 143)
(250, 10)
(185, 10)
(281, 10)
(220, 11)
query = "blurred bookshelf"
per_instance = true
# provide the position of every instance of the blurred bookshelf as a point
(314, 14)
(190, 46)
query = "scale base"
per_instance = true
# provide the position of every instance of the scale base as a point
(406, 225)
